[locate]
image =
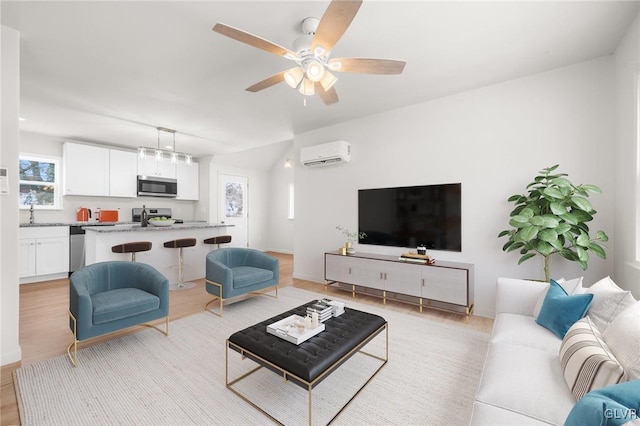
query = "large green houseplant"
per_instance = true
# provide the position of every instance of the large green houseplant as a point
(552, 219)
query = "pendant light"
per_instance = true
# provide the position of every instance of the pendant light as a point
(159, 154)
(174, 155)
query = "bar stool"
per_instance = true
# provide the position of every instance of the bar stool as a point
(180, 244)
(133, 248)
(220, 239)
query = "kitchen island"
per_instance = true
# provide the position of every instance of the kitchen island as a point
(99, 240)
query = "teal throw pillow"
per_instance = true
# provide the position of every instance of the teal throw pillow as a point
(611, 406)
(560, 311)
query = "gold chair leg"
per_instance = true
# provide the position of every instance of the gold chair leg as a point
(258, 293)
(206, 306)
(73, 358)
(166, 326)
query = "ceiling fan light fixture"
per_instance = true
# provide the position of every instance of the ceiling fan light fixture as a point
(315, 71)
(328, 80)
(290, 56)
(307, 87)
(293, 77)
(318, 51)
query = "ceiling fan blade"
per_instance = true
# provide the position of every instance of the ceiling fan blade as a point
(328, 96)
(252, 40)
(334, 23)
(267, 82)
(366, 65)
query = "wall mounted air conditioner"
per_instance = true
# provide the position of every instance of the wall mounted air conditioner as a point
(326, 154)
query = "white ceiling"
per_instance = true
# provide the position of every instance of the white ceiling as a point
(111, 72)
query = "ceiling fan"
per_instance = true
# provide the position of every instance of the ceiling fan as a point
(314, 70)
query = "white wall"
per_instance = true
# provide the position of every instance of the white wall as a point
(280, 226)
(10, 134)
(627, 203)
(493, 140)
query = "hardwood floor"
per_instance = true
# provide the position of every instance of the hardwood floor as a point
(44, 325)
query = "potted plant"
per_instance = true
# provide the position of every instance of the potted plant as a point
(552, 219)
(352, 238)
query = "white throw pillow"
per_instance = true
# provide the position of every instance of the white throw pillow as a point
(586, 361)
(608, 301)
(623, 338)
(573, 286)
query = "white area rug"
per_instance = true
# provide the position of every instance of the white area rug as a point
(150, 379)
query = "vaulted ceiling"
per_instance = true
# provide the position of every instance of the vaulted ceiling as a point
(113, 71)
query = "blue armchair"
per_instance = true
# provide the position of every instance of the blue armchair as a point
(234, 271)
(110, 296)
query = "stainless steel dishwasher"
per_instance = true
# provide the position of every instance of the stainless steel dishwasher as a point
(76, 248)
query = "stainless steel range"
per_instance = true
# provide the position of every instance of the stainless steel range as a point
(136, 213)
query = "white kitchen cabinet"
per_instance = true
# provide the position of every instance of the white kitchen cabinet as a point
(85, 170)
(43, 253)
(188, 176)
(123, 172)
(445, 285)
(148, 166)
(26, 257)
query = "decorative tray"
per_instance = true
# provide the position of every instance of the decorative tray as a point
(288, 330)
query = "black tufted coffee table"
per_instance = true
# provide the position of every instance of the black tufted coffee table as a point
(310, 362)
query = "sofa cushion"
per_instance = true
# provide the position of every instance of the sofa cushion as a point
(560, 311)
(608, 301)
(623, 338)
(249, 275)
(573, 286)
(586, 361)
(526, 381)
(611, 406)
(121, 303)
(523, 330)
(490, 415)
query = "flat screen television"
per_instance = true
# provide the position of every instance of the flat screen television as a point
(410, 216)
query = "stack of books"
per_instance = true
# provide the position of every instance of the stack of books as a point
(323, 310)
(337, 307)
(417, 258)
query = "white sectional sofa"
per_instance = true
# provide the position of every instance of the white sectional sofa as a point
(523, 381)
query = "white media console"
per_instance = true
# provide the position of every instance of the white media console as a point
(441, 285)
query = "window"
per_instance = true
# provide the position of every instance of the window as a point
(290, 201)
(39, 182)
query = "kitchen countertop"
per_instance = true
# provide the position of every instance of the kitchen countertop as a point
(31, 225)
(87, 225)
(137, 228)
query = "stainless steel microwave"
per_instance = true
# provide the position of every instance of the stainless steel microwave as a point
(152, 186)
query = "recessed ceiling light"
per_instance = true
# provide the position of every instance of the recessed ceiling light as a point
(22, 119)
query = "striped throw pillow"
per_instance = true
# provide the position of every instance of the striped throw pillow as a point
(586, 361)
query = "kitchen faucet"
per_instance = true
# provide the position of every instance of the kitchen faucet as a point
(31, 218)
